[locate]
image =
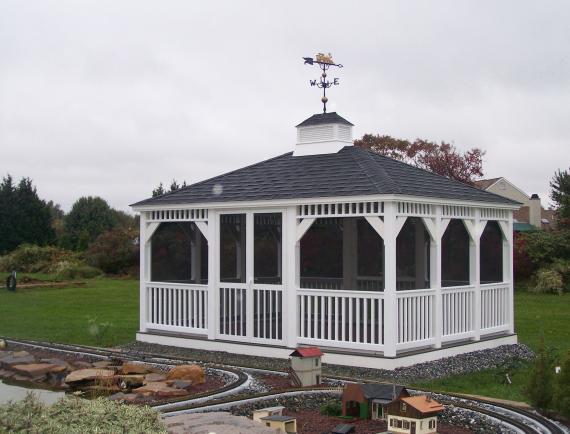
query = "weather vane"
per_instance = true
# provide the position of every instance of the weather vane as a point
(325, 61)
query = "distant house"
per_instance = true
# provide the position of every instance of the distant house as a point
(531, 215)
(272, 417)
(369, 401)
(413, 415)
(306, 366)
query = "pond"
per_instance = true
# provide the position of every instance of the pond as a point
(12, 392)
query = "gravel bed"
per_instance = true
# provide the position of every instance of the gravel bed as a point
(472, 421)
(460, 364)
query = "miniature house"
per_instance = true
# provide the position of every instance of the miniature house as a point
(306, 366)
(268, 411)
(378, 263)
(369, 400)
(414, 415)
(272, 417)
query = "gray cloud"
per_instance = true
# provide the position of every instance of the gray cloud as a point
(110, 98)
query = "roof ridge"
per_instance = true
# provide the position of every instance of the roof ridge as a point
(437, 174)
(196, 184)
(379, 167)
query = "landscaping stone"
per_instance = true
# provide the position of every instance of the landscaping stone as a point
(58, 362)
(214, 422)
(101, 364)
(82, 365)
(193, 373)
(160, 389)
(133, 368)
(130, 381)
(125, 397)
(89, 374)
(180, 384)
(35, 370)
(12, 359)
(154, 377)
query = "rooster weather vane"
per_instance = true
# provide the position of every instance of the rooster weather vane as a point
(325, 61)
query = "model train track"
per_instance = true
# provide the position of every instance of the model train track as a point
(229, 396)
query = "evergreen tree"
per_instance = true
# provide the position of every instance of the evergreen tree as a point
(24, 217)
(160, 190)
(89, 217)
(539, 389)
(562, 394)
(560, 195)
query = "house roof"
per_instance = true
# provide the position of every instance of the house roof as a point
(344, 428)
(324, 118)
(384, 392)
(278, 418)
(352, 171)
(307, 352)
(423, 404)
(523, 227)
(484, 184)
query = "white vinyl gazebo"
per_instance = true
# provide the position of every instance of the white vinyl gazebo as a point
(378, 263)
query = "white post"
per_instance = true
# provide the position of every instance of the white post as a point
(511, 275)
(291, 277)
(144, 248)
(249, 278)
(390, 296)
(213, 266)
(476, 274)
(436, 279)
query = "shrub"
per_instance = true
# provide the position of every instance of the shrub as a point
(29, 258)
(539, 389)
(332, 408)
(76, 271)
(548, 280)
(543, 248)
(115, 251)
(523, 266)
(75, 415)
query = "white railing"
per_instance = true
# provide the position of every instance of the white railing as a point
(415, 317)
(457, 211)
(340, 318)
(233, 310)
(195, 214)
(458, 310)
(267, 314)
(494, 307)
(415, 209)
(177, 307)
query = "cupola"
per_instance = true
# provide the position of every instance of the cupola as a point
(323, 133)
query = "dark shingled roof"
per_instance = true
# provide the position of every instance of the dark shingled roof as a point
(385, 392)
(324, 118)
(352, 171)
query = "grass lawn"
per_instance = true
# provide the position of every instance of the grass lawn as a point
(61, 315)
(536, 315)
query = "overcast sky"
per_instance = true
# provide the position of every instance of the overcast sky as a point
(110, 98)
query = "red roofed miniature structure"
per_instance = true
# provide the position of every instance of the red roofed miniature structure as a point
(306, 366)
(414, 414)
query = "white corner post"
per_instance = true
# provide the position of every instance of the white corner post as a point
(475, 271)
(439, 230)
(390, 296)
(213, 257)
(144, 251)
(292, 277)
(510, 272)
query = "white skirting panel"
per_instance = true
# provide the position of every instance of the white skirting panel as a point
(364, 361)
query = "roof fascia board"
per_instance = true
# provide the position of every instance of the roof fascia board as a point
(317, 200)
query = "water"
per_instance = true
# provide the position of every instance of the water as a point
(9, 392)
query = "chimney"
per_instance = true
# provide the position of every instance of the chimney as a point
(323, 133)
(535, 211)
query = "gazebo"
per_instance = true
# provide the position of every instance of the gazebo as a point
(377, 262)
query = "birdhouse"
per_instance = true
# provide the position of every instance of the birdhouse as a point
(306, 366)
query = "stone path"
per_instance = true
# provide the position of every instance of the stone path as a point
(214, 423)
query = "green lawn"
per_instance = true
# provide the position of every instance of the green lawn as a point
(61, 315)
(536, 315)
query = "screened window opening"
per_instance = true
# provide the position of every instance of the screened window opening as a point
(412, 256)
(491, 254)
(267, 263)
(342, 253)
(455, 255)
(232, 248)
(179, 253)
